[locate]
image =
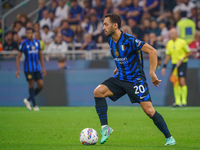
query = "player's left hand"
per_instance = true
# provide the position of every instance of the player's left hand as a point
(44, 72)
(154, 79)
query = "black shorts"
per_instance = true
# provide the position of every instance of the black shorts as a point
(182, 69)
(33, 75)
(137, 91)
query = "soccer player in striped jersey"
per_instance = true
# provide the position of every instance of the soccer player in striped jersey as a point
(128, 77)
(31, 49)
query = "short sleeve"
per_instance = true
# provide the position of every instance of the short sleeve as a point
(137, 44)
(167, 49)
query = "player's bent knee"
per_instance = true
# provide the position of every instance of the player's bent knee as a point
(98, 93)
(150, 112)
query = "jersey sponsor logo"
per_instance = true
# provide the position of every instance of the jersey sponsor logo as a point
(121, 60)
(33, 51)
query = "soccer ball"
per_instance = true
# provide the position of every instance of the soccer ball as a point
(88, 136)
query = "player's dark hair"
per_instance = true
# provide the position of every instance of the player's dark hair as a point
(114, 19)
(29, 29)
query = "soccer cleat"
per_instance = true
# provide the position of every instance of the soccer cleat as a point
(26, 102)
(105, 133)
(170, 141)
(36, 108)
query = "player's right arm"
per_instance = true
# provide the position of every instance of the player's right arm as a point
(115, 71)
(17, 63)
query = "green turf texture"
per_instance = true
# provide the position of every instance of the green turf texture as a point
(58, 128)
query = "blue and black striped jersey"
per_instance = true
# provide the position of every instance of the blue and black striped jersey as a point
(31, 51)
(128, 57)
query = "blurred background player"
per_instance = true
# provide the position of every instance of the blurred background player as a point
(31, 49)
(177, 50)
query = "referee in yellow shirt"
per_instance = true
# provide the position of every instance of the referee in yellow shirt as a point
(177, 50)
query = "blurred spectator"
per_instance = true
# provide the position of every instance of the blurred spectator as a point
(29, 24)
(146, 26)
(165, 33)
(146, 38)
(67, 32)
(196, 45)
(47, 35)
(177, 17)
(86, 8)
(198, 25)
(62, 10)
(23, 18)
(167, 16)
(1, 47)
(0, 30)
(74, 14)
(54, 22)
(123, 9)
(19, 29)
(16, 38)
(154, 43)
(152, 6)
(38, 37)
(135, 11)
(194, 13)
(9, 45)
(99, 8)
(116, 3)
(185, 5)
(62, 63)
(186, 28)
(88, 43)
(42, 7)
(95, 27)
(154, 28)
(37, 27)
(53, 7)
(85, 24)
(135, 30)
(45, 20)
(127, 29)
(58, 47)
(78, 36)
(108, 8)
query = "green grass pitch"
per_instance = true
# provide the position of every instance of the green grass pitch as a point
(58, 128)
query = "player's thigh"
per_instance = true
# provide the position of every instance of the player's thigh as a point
(102, 91)
(182, 81)
(31, 83)
(40, 83)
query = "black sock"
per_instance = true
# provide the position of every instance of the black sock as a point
(31, 96)
(160, 123)
(101, 108)
(36, 91)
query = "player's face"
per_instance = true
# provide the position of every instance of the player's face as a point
(108, 27)
(29, 34)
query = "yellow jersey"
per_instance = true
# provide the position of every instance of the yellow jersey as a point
(177, 50)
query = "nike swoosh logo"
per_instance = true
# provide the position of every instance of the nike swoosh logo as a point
(142, 97)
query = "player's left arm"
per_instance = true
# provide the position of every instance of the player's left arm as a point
(153, 62)
(42, 62)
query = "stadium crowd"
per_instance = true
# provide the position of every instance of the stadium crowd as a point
(65, 22)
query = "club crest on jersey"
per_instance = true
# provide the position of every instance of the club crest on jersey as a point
(116, 53)
(122, 47)
(33, 47)
(29, 76)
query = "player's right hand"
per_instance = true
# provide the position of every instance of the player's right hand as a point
(154, 79)
(17, 74)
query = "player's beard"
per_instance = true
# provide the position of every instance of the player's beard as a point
(111, 32)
